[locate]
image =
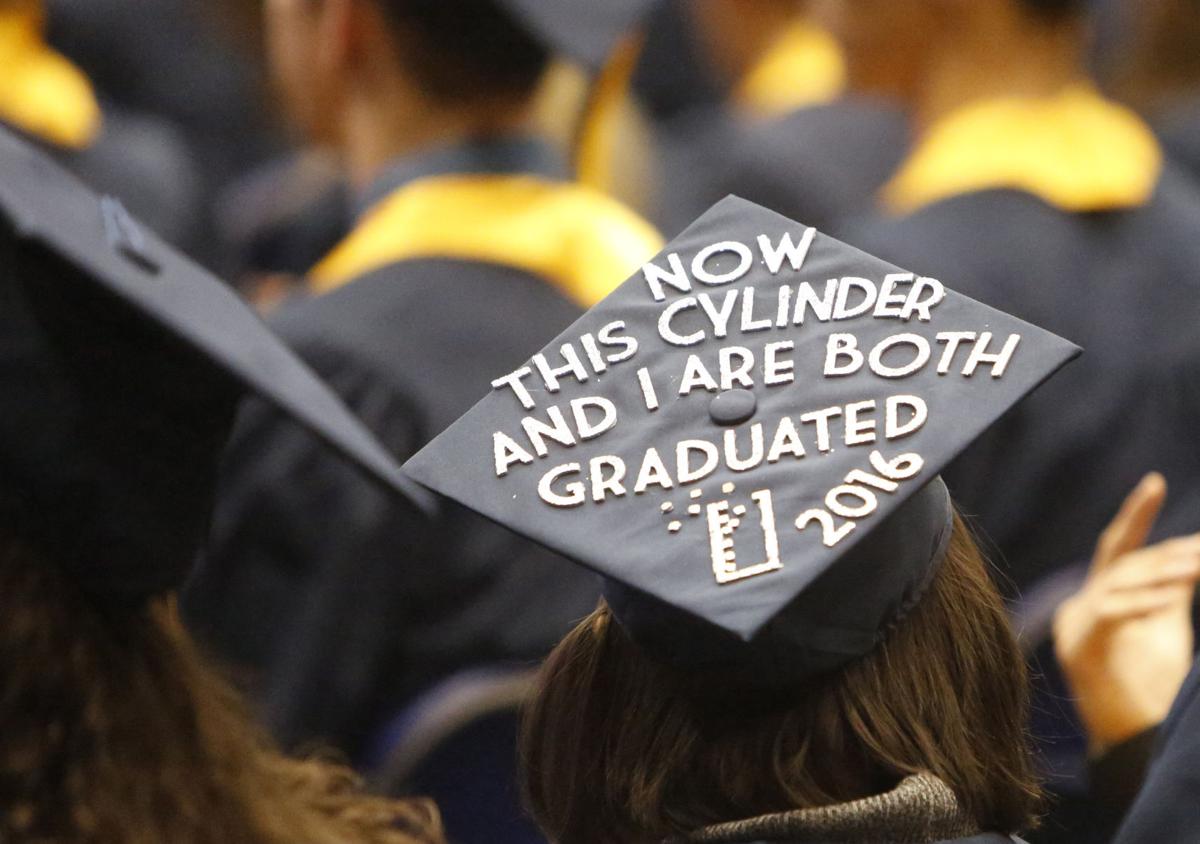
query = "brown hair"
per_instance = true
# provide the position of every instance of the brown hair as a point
(468, 52)
(619, 748)
(113, 728)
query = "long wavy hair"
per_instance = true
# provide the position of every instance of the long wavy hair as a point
(617, 747)
(114, 728)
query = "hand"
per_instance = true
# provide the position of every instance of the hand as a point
(1124, 641)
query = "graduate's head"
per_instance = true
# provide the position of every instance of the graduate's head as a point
(877, 38)
(744, 440)
(469, 56)
(1154, 56)
(892, 46)
(615, 740)
(472, 52)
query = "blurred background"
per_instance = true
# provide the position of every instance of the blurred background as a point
(714, 102)
(810, 108)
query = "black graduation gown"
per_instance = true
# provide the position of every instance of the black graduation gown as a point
(1122, 284)
(820, 165)
(347, 598)
(1167, 810)
(1179, 129)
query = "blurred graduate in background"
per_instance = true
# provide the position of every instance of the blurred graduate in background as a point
(470, 248)
(784, 122)
(1028, 189)
(118, 150)
(121, 365)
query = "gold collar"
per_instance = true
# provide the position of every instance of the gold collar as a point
(572, 236)
(803, 67)
(1077, 151)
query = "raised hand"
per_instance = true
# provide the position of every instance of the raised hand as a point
(1124, 640)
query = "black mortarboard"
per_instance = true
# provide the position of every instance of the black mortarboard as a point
(121, 363)
(586, 31)
(744, 439)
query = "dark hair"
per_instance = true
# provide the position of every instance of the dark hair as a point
(467, 51)
(613, 741)
(1056, 10)
(112, 728)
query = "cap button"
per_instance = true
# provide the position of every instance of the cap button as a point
(733, 407)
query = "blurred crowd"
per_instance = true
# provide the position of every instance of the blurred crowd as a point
(417, 195)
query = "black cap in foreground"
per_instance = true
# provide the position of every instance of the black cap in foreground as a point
(121, 363)
(745, 438)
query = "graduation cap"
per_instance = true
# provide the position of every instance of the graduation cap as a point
(586, 31)
(745, 438)
(121, 364)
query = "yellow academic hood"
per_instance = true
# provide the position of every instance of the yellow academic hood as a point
(41, 92)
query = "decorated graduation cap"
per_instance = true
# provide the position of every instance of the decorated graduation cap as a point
(586, 31)
(120, 367)
(745, 438)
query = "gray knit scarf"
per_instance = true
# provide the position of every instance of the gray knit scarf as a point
(920, 810)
